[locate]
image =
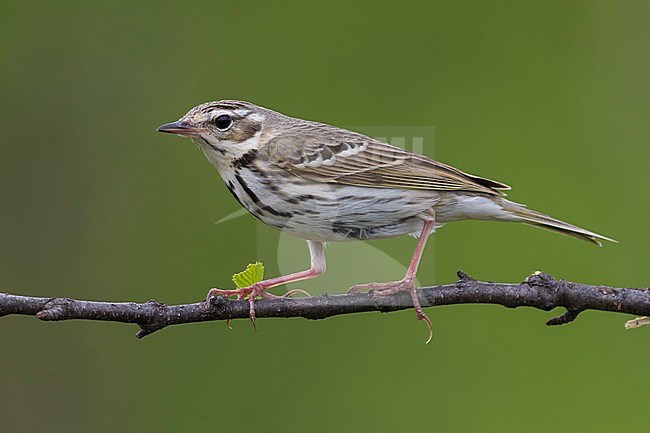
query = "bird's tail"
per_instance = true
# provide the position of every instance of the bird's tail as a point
(538, 219)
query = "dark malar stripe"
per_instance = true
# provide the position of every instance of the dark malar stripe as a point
(221, 151)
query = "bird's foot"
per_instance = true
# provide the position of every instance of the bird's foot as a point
(251, 292)
(392, 287)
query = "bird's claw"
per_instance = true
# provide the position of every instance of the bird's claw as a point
(251, 292)
(422, 316)
(392, 287)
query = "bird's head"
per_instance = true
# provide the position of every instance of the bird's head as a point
(224, 126)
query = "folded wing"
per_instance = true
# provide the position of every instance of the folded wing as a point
(355, 159)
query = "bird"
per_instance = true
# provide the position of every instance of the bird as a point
(325, 184)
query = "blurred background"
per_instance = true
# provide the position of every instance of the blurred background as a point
(550, 97)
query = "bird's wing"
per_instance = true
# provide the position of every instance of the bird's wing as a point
(359, 160)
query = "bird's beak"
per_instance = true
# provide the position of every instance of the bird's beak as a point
(180, 128)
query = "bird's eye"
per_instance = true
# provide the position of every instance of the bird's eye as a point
(223, 122)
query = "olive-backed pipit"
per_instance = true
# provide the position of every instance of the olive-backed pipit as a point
(322, 184)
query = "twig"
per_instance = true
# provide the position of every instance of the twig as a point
(538, 290)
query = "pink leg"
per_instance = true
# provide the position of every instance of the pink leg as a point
(317, 255)
(408, 282)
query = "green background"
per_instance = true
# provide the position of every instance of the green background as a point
(550, 97)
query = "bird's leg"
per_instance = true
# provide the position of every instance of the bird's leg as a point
(317, 256)
(408, 282)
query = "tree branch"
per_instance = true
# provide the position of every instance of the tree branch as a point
(538, 290)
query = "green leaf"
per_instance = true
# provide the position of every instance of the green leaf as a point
(254, 273)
